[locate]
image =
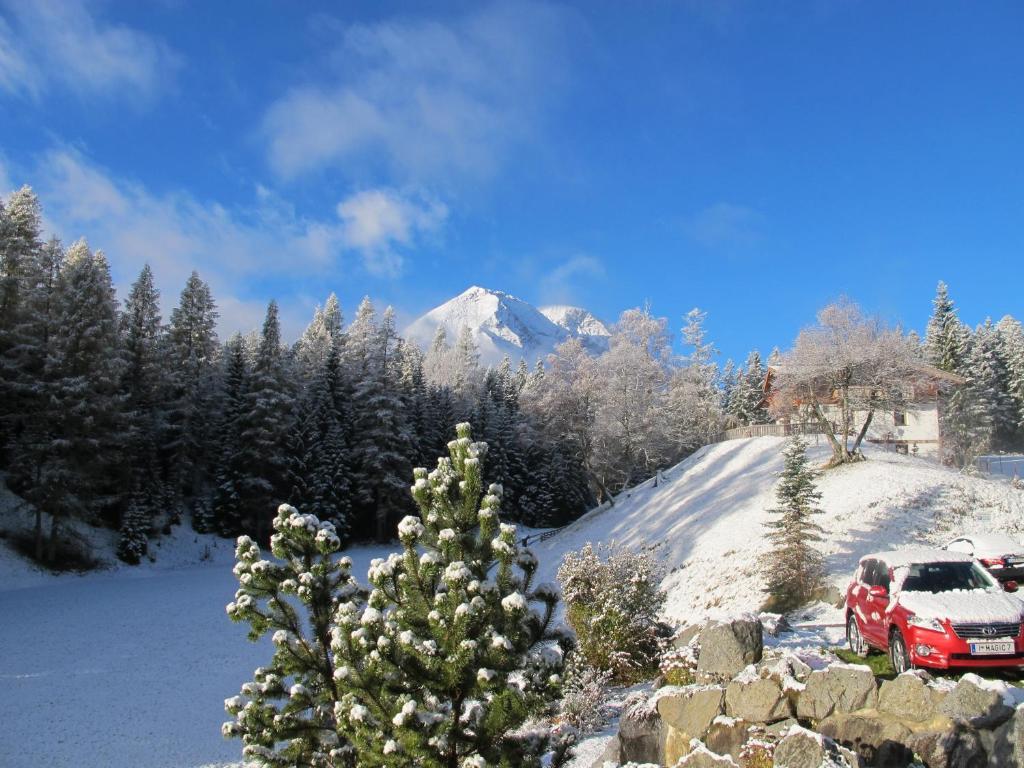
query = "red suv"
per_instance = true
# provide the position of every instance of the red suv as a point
(933, 608)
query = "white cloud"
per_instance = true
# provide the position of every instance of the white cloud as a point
(726, 225)
(235, 249)
(378, 221)
(429, 99)
(61, 41)
(560, 284)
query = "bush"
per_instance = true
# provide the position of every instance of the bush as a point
(757, 754)
(584, 696)
(679, 665)
(612, 599)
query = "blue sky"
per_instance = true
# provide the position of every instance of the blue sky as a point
(752, 159)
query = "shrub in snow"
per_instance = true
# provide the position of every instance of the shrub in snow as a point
(134, 539)
(445, 662)
(793, 566)
(203, 520)
(612, 601)
(757, 753)
(584, 696)
(678, 666)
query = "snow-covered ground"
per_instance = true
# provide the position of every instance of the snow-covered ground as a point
(130, 666)
(706, 517)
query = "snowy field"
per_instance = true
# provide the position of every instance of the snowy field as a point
(130, 667)
(123, 668)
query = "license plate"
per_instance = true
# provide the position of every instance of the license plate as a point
(990, 647)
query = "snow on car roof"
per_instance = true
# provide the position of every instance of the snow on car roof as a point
(898, 557)
(995, 543)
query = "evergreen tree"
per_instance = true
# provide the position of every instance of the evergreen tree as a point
(228, 511)
(189, 385)
(86, 369)
(20, 224)
(442, 665)
(945, 341)
(988, 381)
(141, 382)
(134, 534)
(264, 429)
(1011, 340)
(794, 567)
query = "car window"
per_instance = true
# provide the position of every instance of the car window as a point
(945, 577)
(867, 572)
(882, 574)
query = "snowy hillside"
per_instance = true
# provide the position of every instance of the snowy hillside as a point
(505, 325)
(707, 516)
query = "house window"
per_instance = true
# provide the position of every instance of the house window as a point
(899, 418)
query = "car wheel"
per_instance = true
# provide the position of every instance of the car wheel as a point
(898, 654)
(854, 637)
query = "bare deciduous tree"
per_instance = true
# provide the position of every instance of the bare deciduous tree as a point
(848, 365)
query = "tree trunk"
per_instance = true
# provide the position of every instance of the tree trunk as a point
(39, 535)
(863, 431)
(838, 452)
(51, 554)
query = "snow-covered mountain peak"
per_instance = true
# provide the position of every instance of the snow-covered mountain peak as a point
(576, 320)
(503, 324)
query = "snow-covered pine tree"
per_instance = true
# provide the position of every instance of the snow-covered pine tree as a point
(85, 367)
(447, 662)
(945, 341)
(988, 380)
(288, 715)
(753, 389)
(141, 381)
(227, 500)
(265, 425)
(793, 567)
(189, 386)
(1011, 340)
(320, 335)
(20, 225)
(442, 667)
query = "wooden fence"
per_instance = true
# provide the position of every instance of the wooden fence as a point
(771, 430)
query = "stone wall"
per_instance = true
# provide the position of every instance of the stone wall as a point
(749, 707)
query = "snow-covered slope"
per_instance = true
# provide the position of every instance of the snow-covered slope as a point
(707, 516)
(503, 325)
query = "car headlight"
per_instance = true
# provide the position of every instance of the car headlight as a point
(925, 623)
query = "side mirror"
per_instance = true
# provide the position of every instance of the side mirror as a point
(878, 591)
(1010, 586)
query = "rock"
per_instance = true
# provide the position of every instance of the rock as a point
(760, 700)
(1007, 750)
(692, 708)
(702, 757)
(726, 648)
(957, 748)
(877, 739)
(910, 697)
(974, 705)
(801, 748)
(837, 688)
(686, 635)
(726, 736)
(641, 735)
(782, 666)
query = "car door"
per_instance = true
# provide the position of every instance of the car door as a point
(874, 628)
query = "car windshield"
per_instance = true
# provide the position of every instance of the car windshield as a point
(944, 577)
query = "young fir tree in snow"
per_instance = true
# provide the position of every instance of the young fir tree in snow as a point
(442, 666)
(135, 525)
(793, 567)
(945, 341)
